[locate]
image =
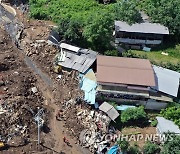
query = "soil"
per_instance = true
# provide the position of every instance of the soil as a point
(137, 130)
(16, 83)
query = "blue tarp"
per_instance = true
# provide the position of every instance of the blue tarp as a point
(89, 88)
(124, 107)
(113, 150)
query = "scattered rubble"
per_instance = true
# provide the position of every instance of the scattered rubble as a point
(89, 126)
(19, 98)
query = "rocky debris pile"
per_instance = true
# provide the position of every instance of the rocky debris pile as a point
(18, 107)
(99, 135)
(93, 119)
(90, 126)
(20, 97)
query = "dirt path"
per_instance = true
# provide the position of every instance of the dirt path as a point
(57, 129)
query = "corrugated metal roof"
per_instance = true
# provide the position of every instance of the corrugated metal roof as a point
(167, 81)
(80, 61)
(166, 126)
(120, 70)
(152, 28)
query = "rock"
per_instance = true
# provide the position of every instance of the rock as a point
(34, 90)
(5, 88)
(2, 83)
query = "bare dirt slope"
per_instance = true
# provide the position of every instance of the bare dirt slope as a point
(17, 97)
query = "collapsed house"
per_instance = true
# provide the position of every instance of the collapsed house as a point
(140, 35)
(132, 81)
(75, 58)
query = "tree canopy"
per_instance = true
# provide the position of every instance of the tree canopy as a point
(166, 13)
(127, 11)
(172, 146)
(85, 22)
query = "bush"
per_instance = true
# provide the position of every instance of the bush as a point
(172, 113)
(154, 123)
(150, 148)
(111, 53)
(123, 145)
(133, 150)
(172, 147)
(134, 116)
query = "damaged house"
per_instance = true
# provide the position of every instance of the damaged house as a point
(139, 35)
(133, 81)
(75, 58)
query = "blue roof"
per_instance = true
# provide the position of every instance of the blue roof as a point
(167, 81)
(89, 88)
(124, 107)
(113, 149)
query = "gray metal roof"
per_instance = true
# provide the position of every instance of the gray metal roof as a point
(165, 126)
(167, 81)
(153, 28)
(80, 61)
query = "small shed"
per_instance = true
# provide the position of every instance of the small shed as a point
(165, 126)
(109, 110)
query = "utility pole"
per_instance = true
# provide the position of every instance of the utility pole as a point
(39, 121)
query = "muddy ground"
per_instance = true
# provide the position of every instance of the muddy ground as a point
(17, 81)
(18, 99)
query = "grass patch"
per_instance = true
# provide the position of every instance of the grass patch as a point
(172, 61)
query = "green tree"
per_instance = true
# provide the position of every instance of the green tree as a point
(166, 13)
(133, 150)
(172, 146)
(71, 29)
(150, 148)
(123, 145)
(111, 53)
(172, 113)
(133, 116)
(99, 30)
(127, 11)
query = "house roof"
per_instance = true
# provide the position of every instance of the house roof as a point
(153, 28)
(109, 110)
(120, 70)
(167, 81)
(80, 60)
(167, 126)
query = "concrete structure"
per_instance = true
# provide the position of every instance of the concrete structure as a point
(139, 35)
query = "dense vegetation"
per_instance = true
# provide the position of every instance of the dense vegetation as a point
(85, 23)
(172, 146)
(134, 116)
(172, 113)
(166, 13)
(151, 148)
